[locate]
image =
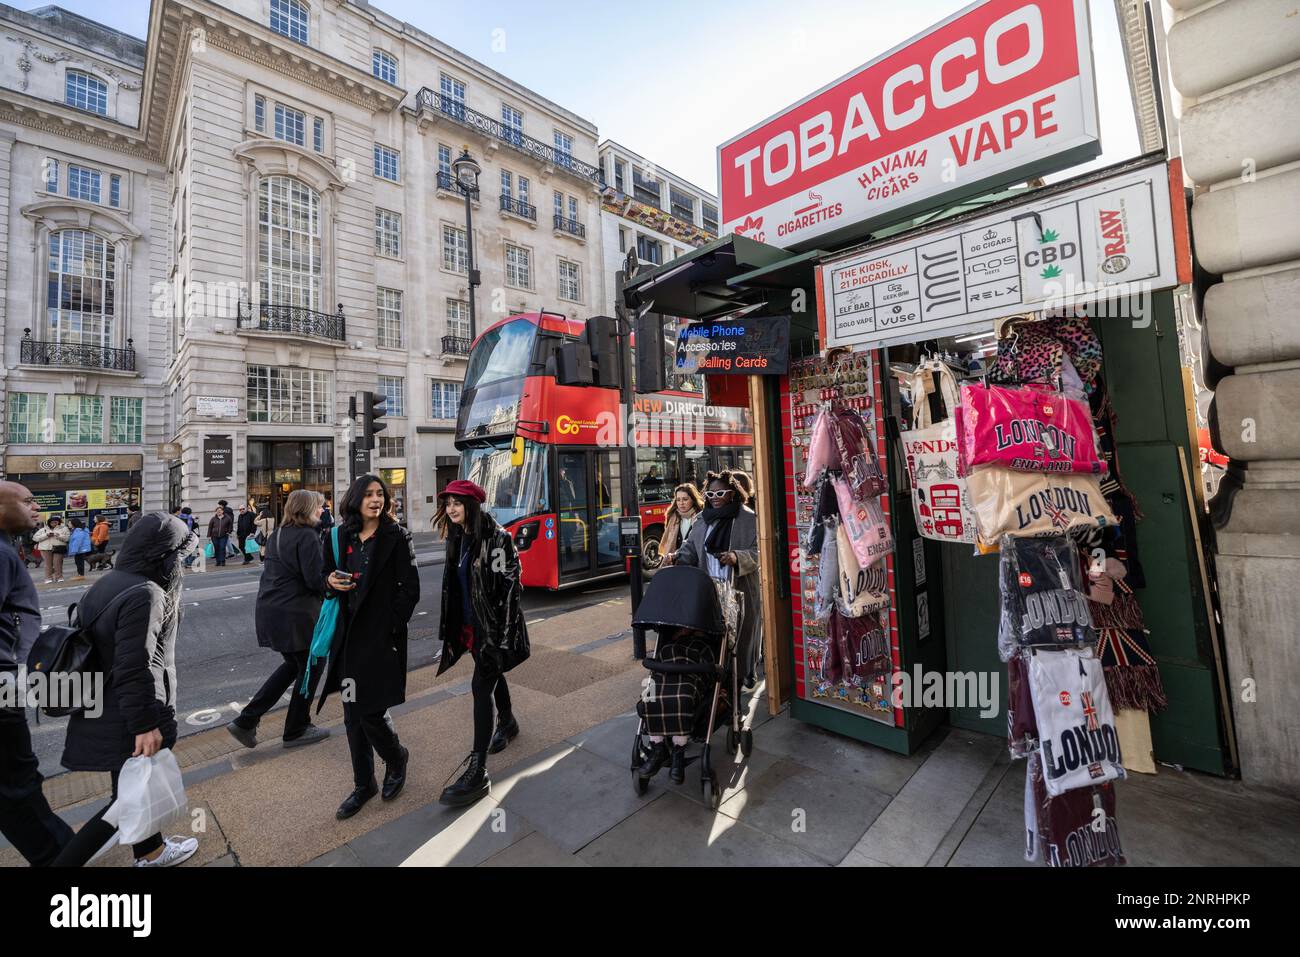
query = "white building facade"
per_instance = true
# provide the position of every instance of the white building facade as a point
(290, 235)
(646, 208)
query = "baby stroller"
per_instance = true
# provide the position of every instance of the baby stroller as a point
(683, 596)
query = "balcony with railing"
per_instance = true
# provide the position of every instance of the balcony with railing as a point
(76, 355)
(570, 226)
(455, 345)
(517, 207)
(293, 320)
(447, 183)
(445, 107)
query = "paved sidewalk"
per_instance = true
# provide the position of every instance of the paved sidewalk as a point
(562, 793)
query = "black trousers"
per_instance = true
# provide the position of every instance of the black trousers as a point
(288, 676)
(243, 539)
(96, 833)
(487, 685)
(220, 545)
(26, 820)
(367, 734)
(81, 563)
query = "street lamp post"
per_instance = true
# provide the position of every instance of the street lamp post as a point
(466, 171)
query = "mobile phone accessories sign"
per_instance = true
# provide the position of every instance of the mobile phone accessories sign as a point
(1001, 91)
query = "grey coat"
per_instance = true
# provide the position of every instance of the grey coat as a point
(744, 542)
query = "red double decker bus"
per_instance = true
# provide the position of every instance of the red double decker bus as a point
(562, 505)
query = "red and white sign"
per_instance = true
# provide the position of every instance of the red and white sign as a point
(999, 92)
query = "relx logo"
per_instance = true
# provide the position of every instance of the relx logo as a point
(75, 910)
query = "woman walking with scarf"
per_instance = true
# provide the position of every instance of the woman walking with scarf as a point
(724, 542)
(481, 614)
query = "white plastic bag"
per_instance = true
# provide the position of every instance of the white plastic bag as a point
(149, 791)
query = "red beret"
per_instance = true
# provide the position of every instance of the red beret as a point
(464, 488)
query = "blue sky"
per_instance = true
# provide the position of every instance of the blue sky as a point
(671, 80)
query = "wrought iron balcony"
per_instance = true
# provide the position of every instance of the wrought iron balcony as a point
(447, 182)
(294, 320)
(455, 345)
(518, 208)
(571, 226)
(455, 110)
(76, 355)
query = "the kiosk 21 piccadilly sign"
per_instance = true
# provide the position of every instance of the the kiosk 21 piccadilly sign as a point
(995, 94)
(1109, 239)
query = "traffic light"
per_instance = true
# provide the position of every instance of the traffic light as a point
(373, 409)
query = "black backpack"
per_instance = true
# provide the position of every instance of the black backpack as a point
(61, 651)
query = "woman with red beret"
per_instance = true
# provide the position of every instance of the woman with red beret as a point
(481, 614)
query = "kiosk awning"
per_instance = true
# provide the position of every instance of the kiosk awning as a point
(700, 284)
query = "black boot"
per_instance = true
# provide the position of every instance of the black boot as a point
(470, 786)
(655, 760)
(677, 769)
(395, 777)
(507, 730)
(354, 801)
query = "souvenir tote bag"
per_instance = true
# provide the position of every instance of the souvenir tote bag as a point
(1076, 726)
(861, 590)
(865, 525)
(1032, 504)
(1029, 428)
(940, 498)
(823, 453)
(858, 463)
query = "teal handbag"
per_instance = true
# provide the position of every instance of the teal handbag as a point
(322, 636)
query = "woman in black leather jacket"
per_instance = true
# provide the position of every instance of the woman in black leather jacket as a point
(481, 614)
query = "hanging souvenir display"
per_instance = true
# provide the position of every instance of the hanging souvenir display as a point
(1028, 504)
(1036, 351)
(1043, 603)
(862, 590)
(865, 525)
(843, 633)
(940, 498)
(1079, 744)
(1065, 830)
(1030, 428)
(1022, 729)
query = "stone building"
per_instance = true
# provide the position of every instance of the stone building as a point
(303, 235)
(82, 205)
(1236, 66)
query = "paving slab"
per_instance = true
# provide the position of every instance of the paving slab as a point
(570, 795)
(437, 836)
(533, 851)
(996, 838)
(342, 856)
(912, 827)
(822, 814)
(836, 755)
(676, 832)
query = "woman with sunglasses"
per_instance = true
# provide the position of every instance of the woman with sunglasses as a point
(724, 542)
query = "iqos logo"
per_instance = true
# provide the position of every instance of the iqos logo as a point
(566, 426)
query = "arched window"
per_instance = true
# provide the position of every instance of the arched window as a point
(289, 17)
(384, 66)
(288, 243)
(81, 288)
(86, 92)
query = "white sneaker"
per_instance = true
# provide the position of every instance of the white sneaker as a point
(176, 850)
(49, 581)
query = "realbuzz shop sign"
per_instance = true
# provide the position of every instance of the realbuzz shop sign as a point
(1001, 91)
(1104, 241)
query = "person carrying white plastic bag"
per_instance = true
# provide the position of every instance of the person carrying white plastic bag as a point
(135, 610)
(149, 792)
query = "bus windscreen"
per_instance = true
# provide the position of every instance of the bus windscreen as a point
(512, 493)
(501, 353)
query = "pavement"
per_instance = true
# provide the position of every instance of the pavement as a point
(562, 792)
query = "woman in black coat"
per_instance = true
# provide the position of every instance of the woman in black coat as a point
(481, 614)
(378, 583)
(133, 613)
(288, 603)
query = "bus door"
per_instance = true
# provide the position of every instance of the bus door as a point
(588, 495)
